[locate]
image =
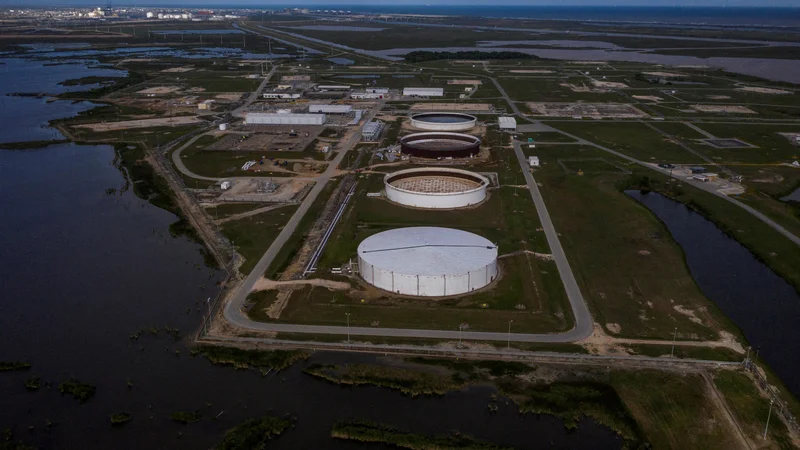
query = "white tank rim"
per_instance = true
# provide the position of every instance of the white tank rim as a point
(484, 182)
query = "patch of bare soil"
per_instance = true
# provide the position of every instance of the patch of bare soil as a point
(763, 90)
(265, 284)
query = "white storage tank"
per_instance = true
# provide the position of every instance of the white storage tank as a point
(223, 127)
(427, 261)
(435, 187)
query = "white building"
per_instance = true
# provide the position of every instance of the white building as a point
(427, 261)
(423, 92)
(330, 109)
(372, 131)
(257, 118)
(376, 90)
(281, 95)
(507, 123)
(365, 95)
(533, 161)
(150, 15)
(333, 87)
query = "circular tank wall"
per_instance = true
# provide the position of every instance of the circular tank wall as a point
(427, 261)
(440, 145)
(435, 188)
(443, 121)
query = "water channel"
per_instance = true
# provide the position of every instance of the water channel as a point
(764, 306)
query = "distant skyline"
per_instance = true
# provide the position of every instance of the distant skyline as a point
(362, 3)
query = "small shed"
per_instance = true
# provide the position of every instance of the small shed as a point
(206, 104)
(533, 161)
(225, 185)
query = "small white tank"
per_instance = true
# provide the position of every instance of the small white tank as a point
(223, 126)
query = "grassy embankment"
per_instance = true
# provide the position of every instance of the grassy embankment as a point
(263, 360)
(149, 185)
(665, 410)
(252, 236)
(750, 409)
(379, 433)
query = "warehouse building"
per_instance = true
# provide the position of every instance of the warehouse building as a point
(423, 92)
(257, 118)
(507, 123)
(330, 109)
(337, 87)
(372, 131)
(366, 95)
(282, 95)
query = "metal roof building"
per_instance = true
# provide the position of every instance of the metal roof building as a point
(333, 87)
(507, 123)
(330, 109)
(372, 130)
(257, 118)
(427, 261)
(423, 92)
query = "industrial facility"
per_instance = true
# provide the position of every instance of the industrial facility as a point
(440, 145)
(423, 92)
(443, 121)
(258, 118)
(330, 109)
(427, 261)
(435, 188)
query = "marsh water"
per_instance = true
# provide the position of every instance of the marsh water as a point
(764, 306)
(85, 263)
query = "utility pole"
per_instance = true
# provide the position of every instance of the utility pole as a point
(348, 327)
(460, 332)
(674, 336)
(508, 347)
(768, 416)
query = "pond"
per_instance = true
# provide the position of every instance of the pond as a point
(764, 306)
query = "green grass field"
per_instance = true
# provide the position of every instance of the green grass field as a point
(253, 235)
(631, 272)
(633, 139)
(674, 411)
(750, 409)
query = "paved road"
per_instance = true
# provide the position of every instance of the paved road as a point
(583, 318)
(242, 110)
(233, 310)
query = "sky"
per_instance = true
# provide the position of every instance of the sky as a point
(268, 3)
